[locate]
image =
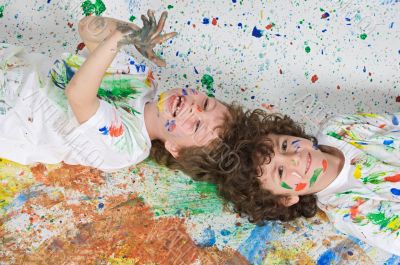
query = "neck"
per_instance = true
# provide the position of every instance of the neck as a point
(335, 159)
(150, 120)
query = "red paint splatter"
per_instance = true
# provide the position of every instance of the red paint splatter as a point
(382, 126)
(199, 109)
(314, 78)
(394, 178)
(300, 186)
(338, 87)
(324, 165)
(398, 99)
(70, 24)
(214, 21)
(280, 71)
(116, 131)
(243, 89)
(80, 46)
(369, 73)
(269, 26)
(194, 26)
(267, 106)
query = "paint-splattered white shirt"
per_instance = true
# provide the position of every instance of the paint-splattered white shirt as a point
(38, 125)
(364, 200)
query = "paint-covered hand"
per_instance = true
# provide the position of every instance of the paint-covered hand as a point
(146, 38)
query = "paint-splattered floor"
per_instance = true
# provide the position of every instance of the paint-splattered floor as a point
(62, 214)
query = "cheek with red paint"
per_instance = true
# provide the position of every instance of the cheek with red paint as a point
(295, 182)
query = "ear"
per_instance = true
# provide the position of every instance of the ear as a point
(172, 148)
(289, 200)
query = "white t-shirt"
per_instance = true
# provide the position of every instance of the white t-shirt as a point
(364, 199)
(38, 125)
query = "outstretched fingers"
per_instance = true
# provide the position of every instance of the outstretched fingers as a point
(161, 24)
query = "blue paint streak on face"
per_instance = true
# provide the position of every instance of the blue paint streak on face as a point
(184, 92)
(206, 21)
(395, 191)
(387, 142)
(256, 32)
(328, 257)
(395, 120)
(254, 247)
(208, 238)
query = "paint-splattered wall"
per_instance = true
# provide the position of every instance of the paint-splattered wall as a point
(308, 59)
(305, 58)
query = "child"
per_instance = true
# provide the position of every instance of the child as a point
(90, 113)
(351, 171)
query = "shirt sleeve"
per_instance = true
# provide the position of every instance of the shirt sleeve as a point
(377, 135)
(374, 222)
(118, 134)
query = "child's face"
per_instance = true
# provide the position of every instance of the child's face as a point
(296, 167)
(190, 118)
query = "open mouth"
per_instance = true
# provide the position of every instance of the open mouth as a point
(177, 106)
(308, 162)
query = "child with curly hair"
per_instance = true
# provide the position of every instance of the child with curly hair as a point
(99, 109)
(270, 169)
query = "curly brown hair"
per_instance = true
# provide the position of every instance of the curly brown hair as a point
(233, 162)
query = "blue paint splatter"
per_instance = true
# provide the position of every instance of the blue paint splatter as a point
(324, 30)
(393, 260)
(225, 232)
(234, 1)
(206, 21)
(391, 25)
(240, 25)
(104, 130)
(364, 69)
(101, 205)
(208, 238)
(195, 70)
(387, 142)
(254, 247)
(328, 257)
(256, 32)
(395, 120)
(395, 191)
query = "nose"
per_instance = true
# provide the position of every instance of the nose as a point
(290, 159)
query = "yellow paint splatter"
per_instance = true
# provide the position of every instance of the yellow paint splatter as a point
(394, 224)
(161, 101)
(357, 172)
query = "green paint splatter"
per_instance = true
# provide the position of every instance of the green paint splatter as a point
(374, 178)
(363, 36)
(391, 224)
(1, 11)
(307, 49)
(208, 81)
(170, 6)
(315, 176)
(19, 36)
(89, 8)
(286, 186)
(333, 134)
(185, 76)
(132, 18)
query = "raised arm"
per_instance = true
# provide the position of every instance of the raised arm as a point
(81, 91)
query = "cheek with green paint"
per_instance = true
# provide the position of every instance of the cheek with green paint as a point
(294, 181)
(318, 172)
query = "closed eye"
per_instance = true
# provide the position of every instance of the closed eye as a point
(197, 126)
(205, 104)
